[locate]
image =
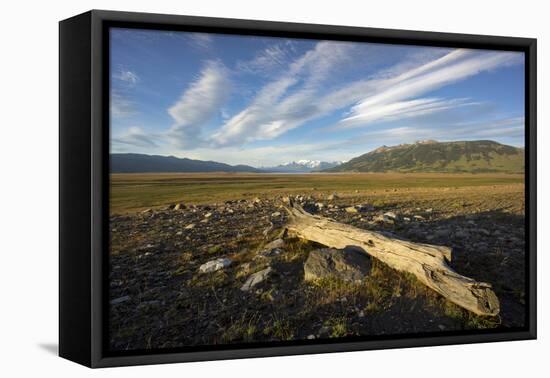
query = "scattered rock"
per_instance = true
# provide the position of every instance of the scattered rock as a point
(324, 331)
(215, 265)
(483, 232)
(442, 233)
(332, 197)
(120, 300)
(351, 210)
(365, 208)
(190, 226)
(461, 234)
(270, 252)
(207, 215)
(256, 279)
(276, 214)
(390, 216)
(310, 207)
(179, 206)
(348, 264)
(277, 243)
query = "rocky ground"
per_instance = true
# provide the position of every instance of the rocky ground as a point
(220, 273)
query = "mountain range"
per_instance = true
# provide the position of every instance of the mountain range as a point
(482, 156)
(302, 166)
(140, 163)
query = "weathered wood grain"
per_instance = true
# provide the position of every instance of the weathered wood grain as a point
(427, 262)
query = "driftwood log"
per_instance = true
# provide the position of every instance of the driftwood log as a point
(427, 262)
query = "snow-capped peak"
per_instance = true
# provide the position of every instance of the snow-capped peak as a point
(305, 163)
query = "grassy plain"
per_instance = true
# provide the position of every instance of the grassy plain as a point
(134, 192)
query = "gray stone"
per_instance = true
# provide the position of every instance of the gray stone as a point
(461, 234)
(365, 208)
(215, 265)
(347, 265)
(256, 279)
(277, 243)
(442, 233)
(120, 300)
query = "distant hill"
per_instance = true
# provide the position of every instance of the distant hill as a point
(302, 166)
(139, 163)
(432, 156)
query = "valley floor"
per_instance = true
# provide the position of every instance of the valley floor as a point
(160, 299)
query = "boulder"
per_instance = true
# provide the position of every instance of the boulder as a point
(120, 300)
(348, 264)
(365, 208)
(389, 217)
(310, 207)
(215, 265)
(272, 249)
(256, 279)
(277, 243)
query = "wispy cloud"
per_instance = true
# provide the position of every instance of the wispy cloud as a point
(286, 102)
(126, 76)
(200, 40)
(198, 104)
(490, 129)
(398, 96)
(298, 96)
(274, 57)
(121, 107)
(135, 137)
(389, 111)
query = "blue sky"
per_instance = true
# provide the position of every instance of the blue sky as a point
(264, 101)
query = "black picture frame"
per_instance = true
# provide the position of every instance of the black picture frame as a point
(84, 183)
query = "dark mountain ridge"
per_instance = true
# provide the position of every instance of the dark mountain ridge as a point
(141, 163)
